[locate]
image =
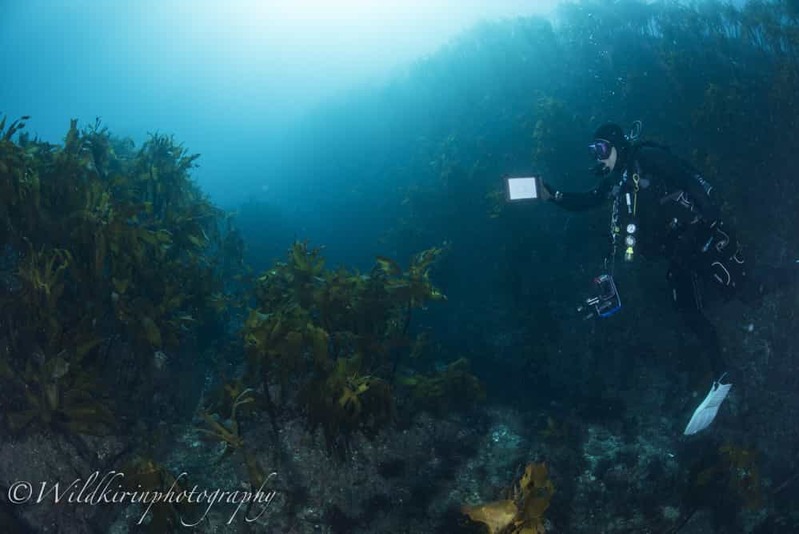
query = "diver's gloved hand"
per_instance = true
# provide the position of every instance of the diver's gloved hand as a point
(548, 192)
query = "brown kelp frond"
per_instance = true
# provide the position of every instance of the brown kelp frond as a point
(523, 512)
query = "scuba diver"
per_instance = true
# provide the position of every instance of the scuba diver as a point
(662, 206)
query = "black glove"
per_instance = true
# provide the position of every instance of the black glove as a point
(554, 194)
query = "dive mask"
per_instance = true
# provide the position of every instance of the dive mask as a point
(600, 149)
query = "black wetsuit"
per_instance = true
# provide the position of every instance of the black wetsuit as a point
(670, 204)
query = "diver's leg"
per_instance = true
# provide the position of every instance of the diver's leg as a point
(687, 298)
(709, 339)
(688, 301)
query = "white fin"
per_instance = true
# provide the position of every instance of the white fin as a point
(707, 411)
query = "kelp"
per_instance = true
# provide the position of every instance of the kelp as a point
(222, 424)
(523, 511)
(734, 469)
(332, 340)
(53, 394)
(449, 389)
(159, 515)
(345, 401)
(104, 245)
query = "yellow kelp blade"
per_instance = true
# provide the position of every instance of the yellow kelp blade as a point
(496, 515)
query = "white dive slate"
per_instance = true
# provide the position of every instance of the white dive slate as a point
(706, 411)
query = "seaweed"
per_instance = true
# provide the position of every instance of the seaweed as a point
(332, 340)
(225, 429)
(107, 247)
(736, 469)
(523, 511)
(450, 389)
(150, 480)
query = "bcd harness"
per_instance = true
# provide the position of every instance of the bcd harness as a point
(623, 189)
(607, 301)
(624, 220)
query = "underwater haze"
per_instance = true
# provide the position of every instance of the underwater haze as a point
(259, 265)
(227, 79)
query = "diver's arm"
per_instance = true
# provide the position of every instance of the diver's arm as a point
(580, 201)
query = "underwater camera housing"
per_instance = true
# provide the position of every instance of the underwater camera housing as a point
(606, 301)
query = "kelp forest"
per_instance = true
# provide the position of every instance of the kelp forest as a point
(154, 345)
